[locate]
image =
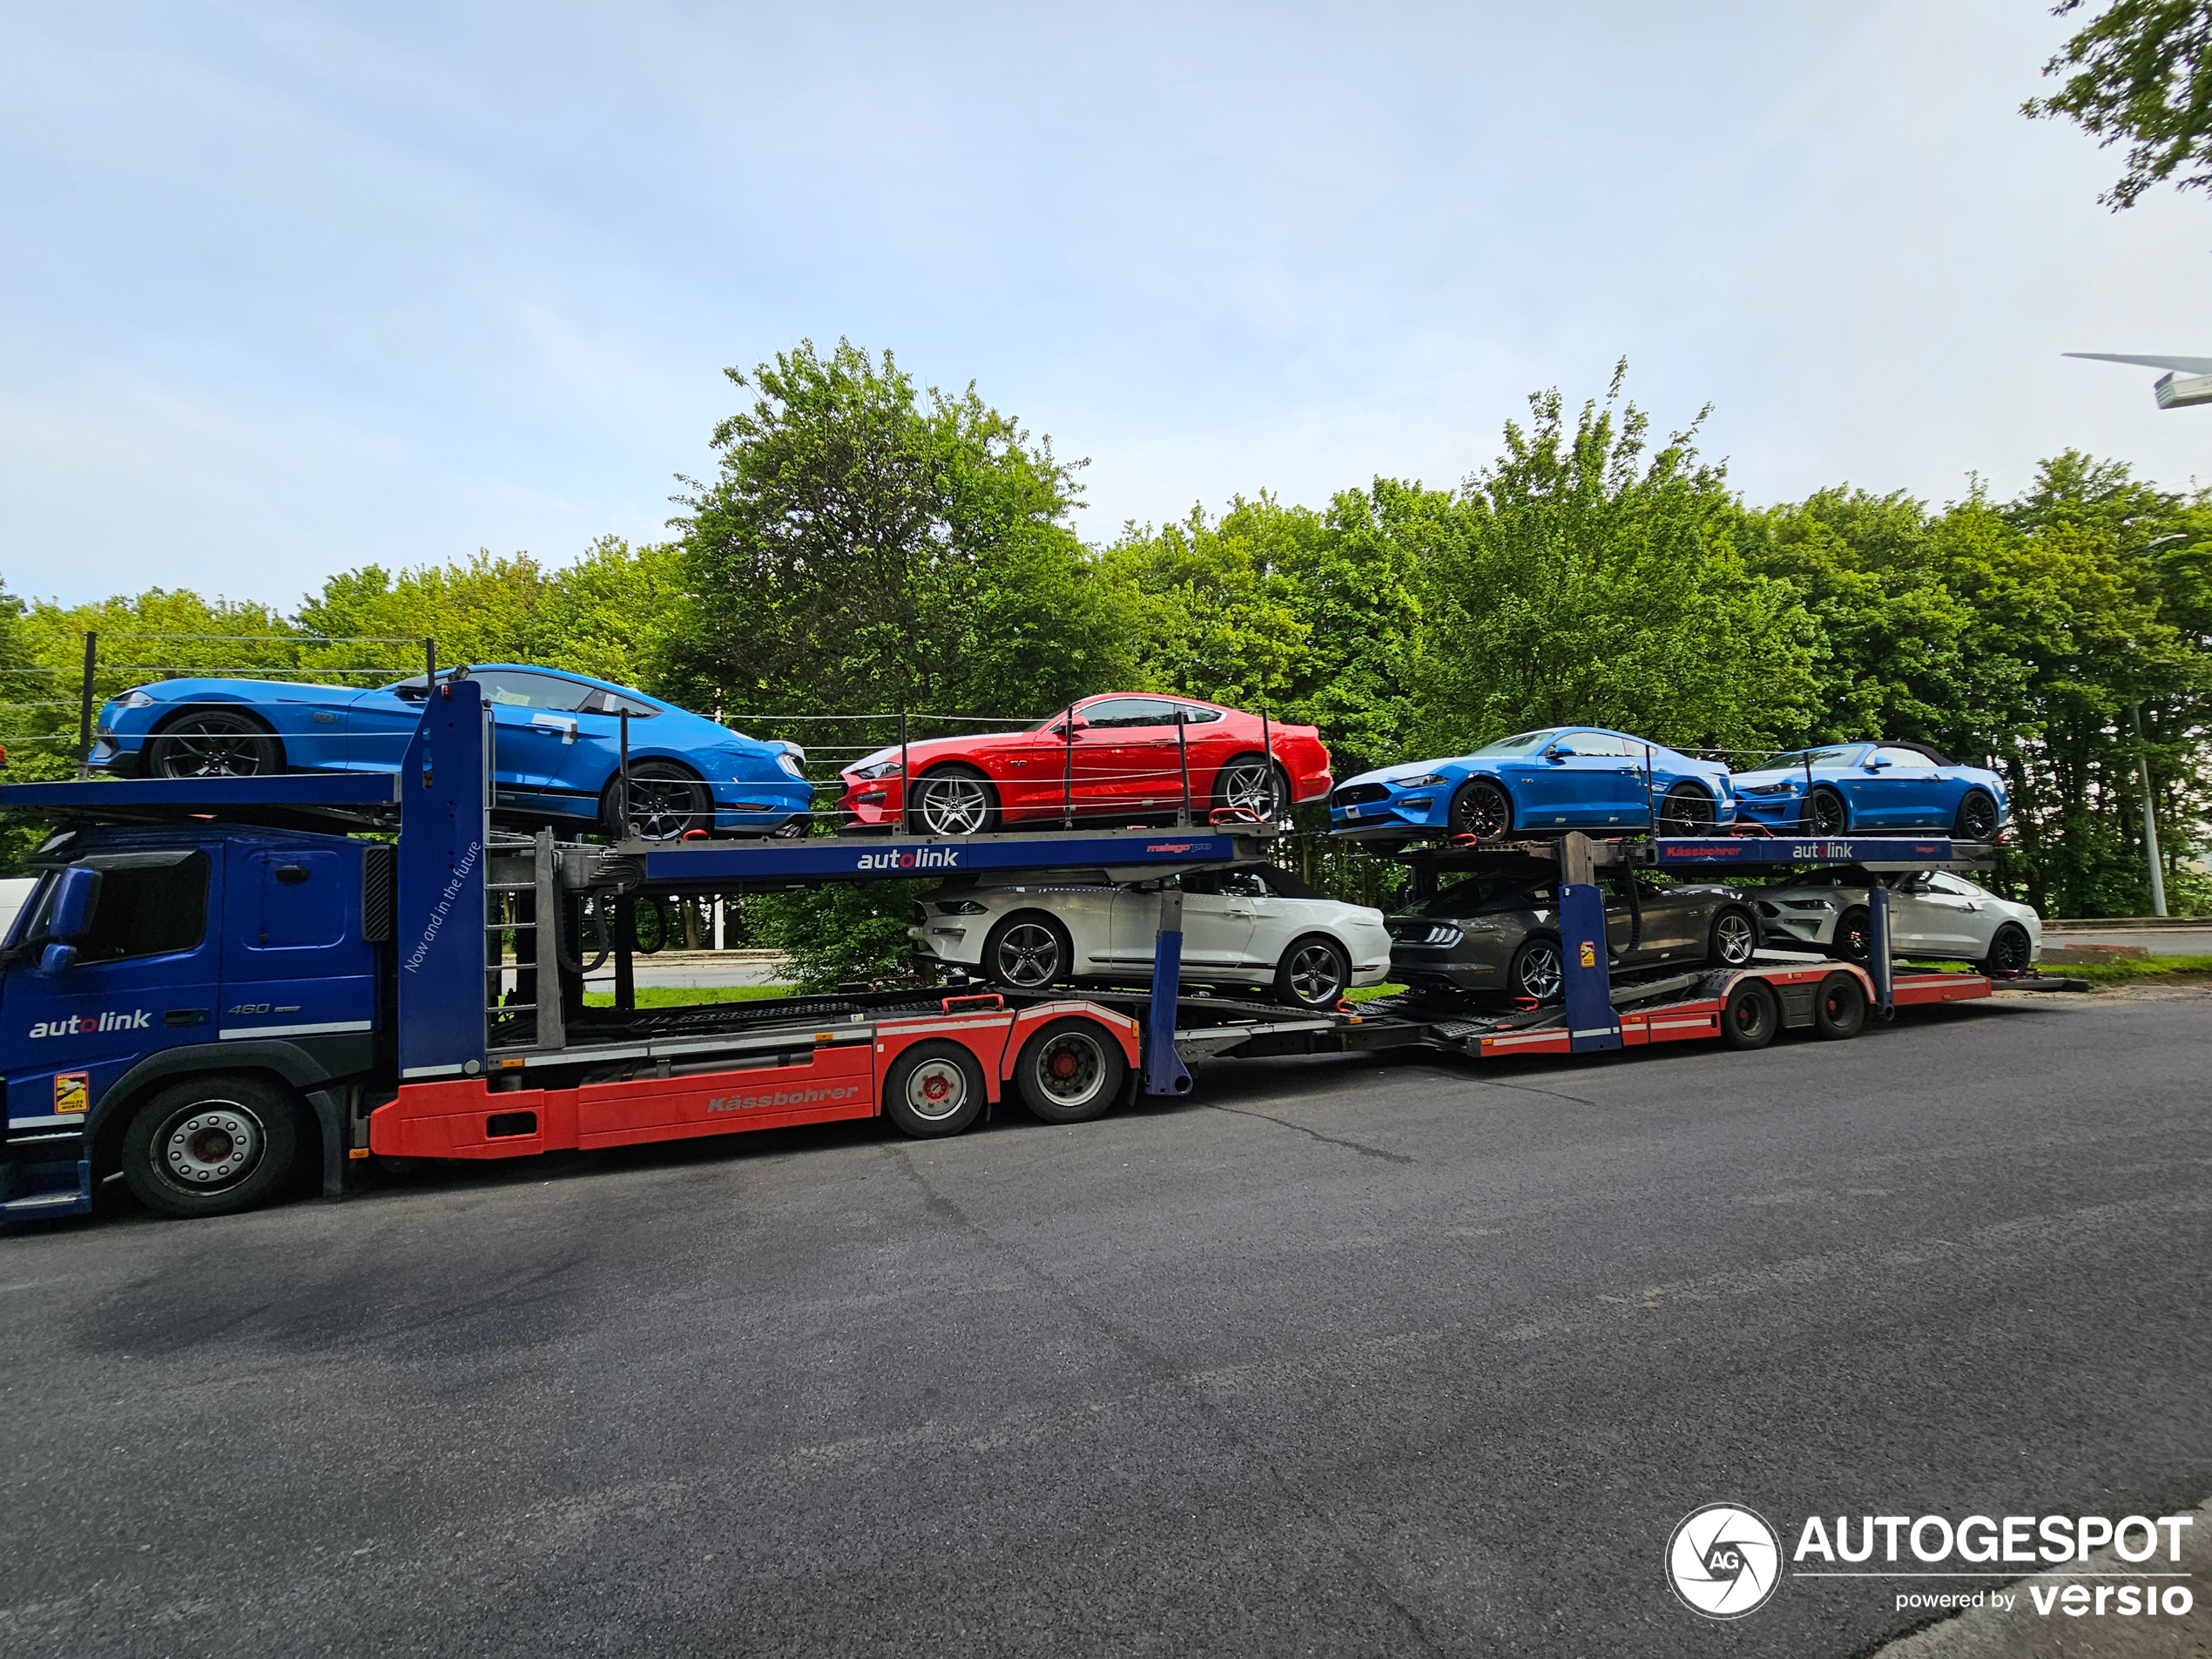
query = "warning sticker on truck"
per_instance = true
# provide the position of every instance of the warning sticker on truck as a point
(72, 1091)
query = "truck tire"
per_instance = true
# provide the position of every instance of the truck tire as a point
(1071, 1072)
(1750, 1015)
(212, 1145)
(934, 1089)
(1839, 1010)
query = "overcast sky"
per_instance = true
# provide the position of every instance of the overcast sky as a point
(288, 288)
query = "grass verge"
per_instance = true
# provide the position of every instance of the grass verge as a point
(2129, 968)
(676, 997)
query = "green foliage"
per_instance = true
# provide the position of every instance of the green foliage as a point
(840, 934)
(1581, 579)
(2142, 71)
(866, 547)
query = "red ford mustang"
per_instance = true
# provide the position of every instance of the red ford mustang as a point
(1123, 761)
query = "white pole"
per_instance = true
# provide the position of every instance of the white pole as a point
(2150, 821)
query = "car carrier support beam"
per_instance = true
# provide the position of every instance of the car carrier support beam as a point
(1591, 1021)
(446, 789)
(1164, 1072)
(1877, 951)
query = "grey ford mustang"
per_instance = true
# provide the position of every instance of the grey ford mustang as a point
(1498, 930)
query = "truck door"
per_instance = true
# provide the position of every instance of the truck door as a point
(144, 979)
(293, 961)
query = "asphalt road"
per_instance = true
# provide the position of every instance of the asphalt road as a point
(1334, 1358)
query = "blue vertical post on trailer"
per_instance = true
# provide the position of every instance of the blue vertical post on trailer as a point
(445, 814)
(1877, 951)
(1592, 1022)
(1164, 1072)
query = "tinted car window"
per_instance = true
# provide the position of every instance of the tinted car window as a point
(1130, 711)
(505, 689)
(603, 701)
(1193, 715)
(1488, 894)
(1597, 743)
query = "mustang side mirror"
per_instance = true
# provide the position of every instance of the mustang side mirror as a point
(1561, 752)
(1877, 764)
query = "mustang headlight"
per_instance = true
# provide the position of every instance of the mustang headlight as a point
(1810, 904)
(1422, 782)
(136, 697)
(878, 769)
(1766, 789)
(960, 907)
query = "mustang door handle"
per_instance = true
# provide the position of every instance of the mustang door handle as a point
(566, 728)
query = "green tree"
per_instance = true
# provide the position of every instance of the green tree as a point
(2142, 71)
(866, 547)
(1584, 577)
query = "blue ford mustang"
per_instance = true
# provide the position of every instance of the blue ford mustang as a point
(1855, 788)
(1564, 777)
(556, 747)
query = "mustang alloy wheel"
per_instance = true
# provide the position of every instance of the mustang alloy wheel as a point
(1734, 940)
(666, 803)
(1977, 819)
(1537, 970)
(1312, 973)
(2011, 952)
(214, 743)
(952, 802)
(1823, 813)
(1252, 786)
(1481, 809)
(1687, 810)
(1028, 952)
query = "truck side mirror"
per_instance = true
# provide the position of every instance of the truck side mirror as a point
(75, 903)
(57, 960)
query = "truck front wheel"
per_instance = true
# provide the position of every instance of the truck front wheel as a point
(212, 1145)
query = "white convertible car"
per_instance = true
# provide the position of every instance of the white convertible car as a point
(1932, 914)
(1251, 925)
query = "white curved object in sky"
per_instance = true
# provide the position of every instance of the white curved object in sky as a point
(2185, 365)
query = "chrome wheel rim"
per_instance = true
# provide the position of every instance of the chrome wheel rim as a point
(1541, 974)
(1248, 787)
(1315, 976)
(1028, 955)
(1070, 1069)
(935, 1089)
(953, 805)
(210, 746)
(1685, 812)
(1732, 933)
(1485, 813)
(215, 1144)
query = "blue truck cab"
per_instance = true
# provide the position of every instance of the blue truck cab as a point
(215, 991)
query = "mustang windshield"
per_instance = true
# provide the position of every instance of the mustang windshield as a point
(1483, 894)
(1805, 758)
(1521, 744)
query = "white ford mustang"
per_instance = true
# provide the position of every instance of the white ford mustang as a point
(1250, 925)
(1932, 914)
